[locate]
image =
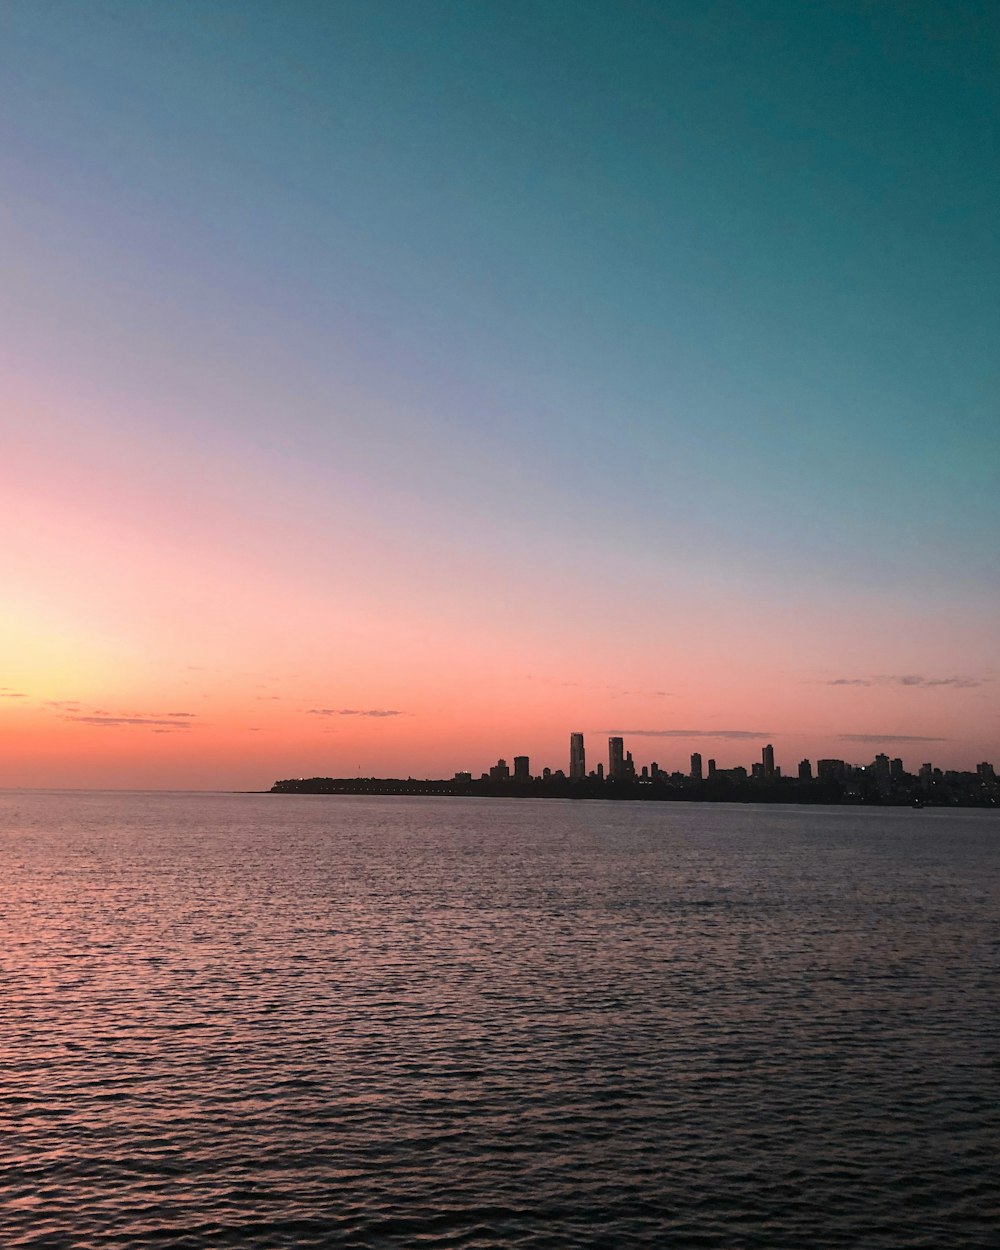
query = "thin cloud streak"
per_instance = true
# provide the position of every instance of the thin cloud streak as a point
(877, 738)
(119, 721)
(911, 680)
(353, 711)
(688, 733)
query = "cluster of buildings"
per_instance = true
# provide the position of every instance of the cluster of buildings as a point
(882, 779)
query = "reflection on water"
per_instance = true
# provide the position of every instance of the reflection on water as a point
(262, 1021)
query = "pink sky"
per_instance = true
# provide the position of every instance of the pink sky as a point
(170, 628)
(355, 363)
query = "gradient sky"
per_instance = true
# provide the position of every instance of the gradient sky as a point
(386, 387)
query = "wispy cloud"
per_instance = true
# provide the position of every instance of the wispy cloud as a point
(910, 679)
(64, 705)
(354, 711)
(112, 722)
(6, 693)
(687, 733)
(877, 738)
(615, 691)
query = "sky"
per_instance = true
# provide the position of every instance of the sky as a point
(386, 388)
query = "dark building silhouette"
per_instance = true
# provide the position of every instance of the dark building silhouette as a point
(831, 770)
(577, 758)
(884, 781)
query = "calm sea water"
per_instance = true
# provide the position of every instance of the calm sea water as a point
(276, 1021)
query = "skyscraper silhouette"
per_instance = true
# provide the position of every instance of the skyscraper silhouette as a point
(616, 758)
(577, 758)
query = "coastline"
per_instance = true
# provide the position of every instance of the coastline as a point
(786, 791)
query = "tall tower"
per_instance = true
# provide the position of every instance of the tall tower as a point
(696, 766)
(522, 768)
(616, 758)
(577, 758)
(768, 754)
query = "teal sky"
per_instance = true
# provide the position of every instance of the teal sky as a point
(651, 292)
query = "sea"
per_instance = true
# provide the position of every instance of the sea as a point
(270, 1021)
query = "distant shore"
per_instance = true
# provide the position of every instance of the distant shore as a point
(785, 790)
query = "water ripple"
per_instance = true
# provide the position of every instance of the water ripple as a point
(263, 1021)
